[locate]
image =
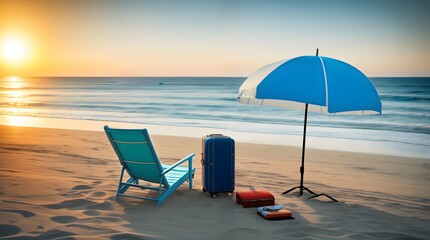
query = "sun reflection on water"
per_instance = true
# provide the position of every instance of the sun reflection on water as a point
(13, 93)
(14, 97)
(14, 82)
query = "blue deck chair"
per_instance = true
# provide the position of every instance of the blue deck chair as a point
(138, 157)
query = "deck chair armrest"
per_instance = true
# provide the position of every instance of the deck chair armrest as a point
(189, 158)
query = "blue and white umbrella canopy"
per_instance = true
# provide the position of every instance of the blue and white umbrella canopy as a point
(326, 84)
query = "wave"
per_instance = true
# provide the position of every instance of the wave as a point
(405, 98)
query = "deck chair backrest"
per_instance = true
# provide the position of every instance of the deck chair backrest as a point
(136, 153)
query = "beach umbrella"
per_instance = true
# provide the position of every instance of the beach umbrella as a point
(311, 83)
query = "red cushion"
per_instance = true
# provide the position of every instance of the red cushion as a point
(255, 198)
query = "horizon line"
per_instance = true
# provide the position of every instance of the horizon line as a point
(173, 76)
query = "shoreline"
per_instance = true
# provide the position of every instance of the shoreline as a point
(59, 182)
(396, 149)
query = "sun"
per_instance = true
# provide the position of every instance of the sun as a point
(14, 50)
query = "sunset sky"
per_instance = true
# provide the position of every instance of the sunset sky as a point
(209, 38)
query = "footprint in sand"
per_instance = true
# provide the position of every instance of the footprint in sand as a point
(8, 230)
(109, 219)
(84, 204)
(64, 219)
(101, 206)
(24, 213)
(55, 234)
(106, 230)
(71, 204)
(92, 213)
(98, 194)
(130, 236)
(82, 187)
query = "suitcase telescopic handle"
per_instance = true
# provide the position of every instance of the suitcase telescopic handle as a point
(216, 135)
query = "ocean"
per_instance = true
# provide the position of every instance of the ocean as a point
(211, 103)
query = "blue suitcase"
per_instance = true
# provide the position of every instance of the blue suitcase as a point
(217, 164)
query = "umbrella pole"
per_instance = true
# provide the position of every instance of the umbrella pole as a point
(302, 168)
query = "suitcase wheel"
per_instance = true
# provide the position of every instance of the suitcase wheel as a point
(204, 190)
(213, 195)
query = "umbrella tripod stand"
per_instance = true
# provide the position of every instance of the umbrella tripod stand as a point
(302, 168)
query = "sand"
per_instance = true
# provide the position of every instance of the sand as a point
(60, 184)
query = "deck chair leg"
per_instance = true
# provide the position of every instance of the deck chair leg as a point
(120, 185)
(190, 182)
(190, 174)
(165, 194)
(123, 187)
(159, 201)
